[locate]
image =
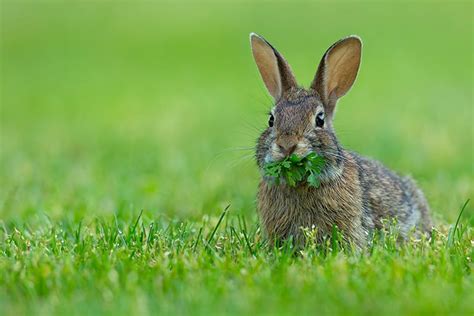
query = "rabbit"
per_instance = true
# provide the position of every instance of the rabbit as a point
(356, 194)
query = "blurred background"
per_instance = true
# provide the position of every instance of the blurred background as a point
(120, 106)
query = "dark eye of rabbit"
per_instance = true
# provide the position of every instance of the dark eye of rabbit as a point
(320, 119)
(271, 120)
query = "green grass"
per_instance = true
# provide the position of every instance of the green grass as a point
(224, 266)
(112, 110)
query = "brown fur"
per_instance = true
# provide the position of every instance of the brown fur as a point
(356, 193)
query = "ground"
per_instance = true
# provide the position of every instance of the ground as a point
(126, 129)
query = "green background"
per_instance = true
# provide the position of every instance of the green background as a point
(116, 107)
(143, 105)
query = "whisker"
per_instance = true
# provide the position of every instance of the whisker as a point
(233, 149)
(228, 151)
(343, 158)
(240, 160)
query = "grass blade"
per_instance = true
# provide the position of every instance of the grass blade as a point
(211, 237)
(452, 231)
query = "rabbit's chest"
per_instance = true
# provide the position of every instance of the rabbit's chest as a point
(284, 211)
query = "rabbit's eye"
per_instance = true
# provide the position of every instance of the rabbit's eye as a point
(320, 119)
(271, 120)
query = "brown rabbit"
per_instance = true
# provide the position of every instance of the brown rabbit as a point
(356, 193)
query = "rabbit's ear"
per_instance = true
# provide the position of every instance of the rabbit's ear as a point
(337, 70)
(274, 69)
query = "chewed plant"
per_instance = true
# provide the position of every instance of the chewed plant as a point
(295, 170)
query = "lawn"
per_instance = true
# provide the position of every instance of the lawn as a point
(127, 128)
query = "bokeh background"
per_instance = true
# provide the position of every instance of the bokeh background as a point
(114, 107)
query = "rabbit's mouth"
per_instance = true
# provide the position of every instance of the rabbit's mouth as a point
(276, 153)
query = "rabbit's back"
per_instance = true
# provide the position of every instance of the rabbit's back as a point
(387, 195)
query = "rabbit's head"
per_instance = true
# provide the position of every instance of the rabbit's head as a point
(301, 120)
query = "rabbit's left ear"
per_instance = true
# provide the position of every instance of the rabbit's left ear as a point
(275, 71)
(337, 70)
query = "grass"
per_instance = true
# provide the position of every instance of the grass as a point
(127, 128)
(224, 266)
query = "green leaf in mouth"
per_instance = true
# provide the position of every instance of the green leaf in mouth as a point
(295, 169)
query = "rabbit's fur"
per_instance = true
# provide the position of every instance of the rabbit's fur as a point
(356, 193)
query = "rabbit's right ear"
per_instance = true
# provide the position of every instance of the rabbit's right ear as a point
(274, 69)
(337, 70)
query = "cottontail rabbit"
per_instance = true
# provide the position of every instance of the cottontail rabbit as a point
(356, 193)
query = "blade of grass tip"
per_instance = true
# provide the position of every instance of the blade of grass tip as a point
(119, 231)
(184, 231)
(234, 232)
(453, 231)
(460, 214)
(132, 231)
(226, 224)
(143, 233)
(244, 223)
(104, 235)
(197, 239)
(113, 234)
(248, 243)
(239, 221)
(78, 232)
(231, 238)
(211, 237)
(185, 234)
(150, 233)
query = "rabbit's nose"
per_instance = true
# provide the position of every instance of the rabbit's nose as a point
(287, 149)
